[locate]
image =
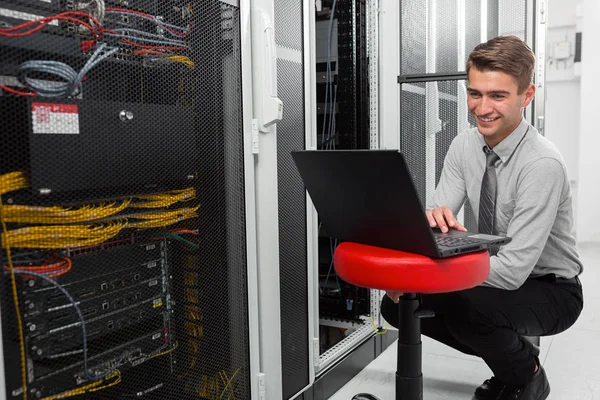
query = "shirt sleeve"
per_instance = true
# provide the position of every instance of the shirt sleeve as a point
(536, 205)
(451, 191)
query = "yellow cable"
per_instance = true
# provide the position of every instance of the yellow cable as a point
(167, 199)
(182, 59)
(166, 351)
(16, 301)
(13, 181)
(377, 331)
(93, 387)
(229, 381)
(57, 236)
(61, 215)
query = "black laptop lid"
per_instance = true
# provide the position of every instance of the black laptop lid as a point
(368, 197)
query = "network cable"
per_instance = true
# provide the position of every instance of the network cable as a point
(13, 181)
(75, 305)
(71, 86)
(62, 215)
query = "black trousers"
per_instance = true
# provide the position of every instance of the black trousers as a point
(489, 323)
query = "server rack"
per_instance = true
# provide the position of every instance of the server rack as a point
(126, 179)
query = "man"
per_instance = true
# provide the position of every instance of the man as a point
(517, 184)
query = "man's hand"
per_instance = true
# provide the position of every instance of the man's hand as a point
(395, 296)
(443, 218)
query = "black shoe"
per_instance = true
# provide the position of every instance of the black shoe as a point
(493, 387)
(537, 389)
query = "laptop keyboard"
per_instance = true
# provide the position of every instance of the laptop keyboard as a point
(453, 241)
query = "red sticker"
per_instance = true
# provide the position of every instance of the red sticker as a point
(55, 118)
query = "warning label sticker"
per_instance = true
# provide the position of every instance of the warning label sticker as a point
(55, 118)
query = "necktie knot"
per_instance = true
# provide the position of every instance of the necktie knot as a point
(490, 156)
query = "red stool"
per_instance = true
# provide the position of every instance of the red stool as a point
(411, 274)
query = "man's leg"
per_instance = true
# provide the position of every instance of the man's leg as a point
(434, 328)
(492, 322)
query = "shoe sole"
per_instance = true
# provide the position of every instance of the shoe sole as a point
(545, 395)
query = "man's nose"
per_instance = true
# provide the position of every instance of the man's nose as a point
(484, 106)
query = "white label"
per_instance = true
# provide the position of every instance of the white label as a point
(55, 118)
(24, 16)
(156, 336)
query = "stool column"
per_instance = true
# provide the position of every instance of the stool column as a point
(409, 377)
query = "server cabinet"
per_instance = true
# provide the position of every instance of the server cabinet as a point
(129, 235)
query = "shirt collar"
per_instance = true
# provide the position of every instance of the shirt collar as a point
(507, 147)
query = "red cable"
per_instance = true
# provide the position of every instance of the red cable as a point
(14, 91)
(9, 32)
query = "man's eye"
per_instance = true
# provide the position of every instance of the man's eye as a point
(475, 95)
(498, 97)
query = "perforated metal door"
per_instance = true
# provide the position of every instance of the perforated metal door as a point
(122, 187)
(292, 198)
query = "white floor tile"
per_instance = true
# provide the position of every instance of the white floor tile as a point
(572, 366)
(444, 377)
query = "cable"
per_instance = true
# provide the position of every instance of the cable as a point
(72, 84)
(17, 308)
(18, 92)
(13, 181)
(141, 39)
(328, 77)
(62, 236)
(227, 381)
(166, 199)
(93, 387)
(41, 23)
(61, 215)
(100, 10)
(163, 353)
(50, 270)
(176, 237)
(75, 306)
(149, 18)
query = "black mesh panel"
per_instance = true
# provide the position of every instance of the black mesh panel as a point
(415, 105)
(122, 188)
(292, 231)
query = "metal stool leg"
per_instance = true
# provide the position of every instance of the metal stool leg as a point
(409, 378)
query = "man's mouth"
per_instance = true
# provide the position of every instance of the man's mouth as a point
(483, 119)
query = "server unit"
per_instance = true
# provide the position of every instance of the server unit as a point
(123, 201)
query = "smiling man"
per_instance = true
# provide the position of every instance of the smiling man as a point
(517, 184)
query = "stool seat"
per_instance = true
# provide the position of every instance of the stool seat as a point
(385, 269)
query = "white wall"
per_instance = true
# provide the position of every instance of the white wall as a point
(588, 221)
(563, 90)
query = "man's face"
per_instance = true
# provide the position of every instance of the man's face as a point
(494, 101)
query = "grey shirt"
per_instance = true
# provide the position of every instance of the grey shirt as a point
(533, 205)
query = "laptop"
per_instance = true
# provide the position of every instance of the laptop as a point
(368, 197)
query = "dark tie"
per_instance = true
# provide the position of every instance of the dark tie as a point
(487, 200)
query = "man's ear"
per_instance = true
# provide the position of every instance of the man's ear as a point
(529, 94)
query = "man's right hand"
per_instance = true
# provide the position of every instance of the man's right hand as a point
(443, 218)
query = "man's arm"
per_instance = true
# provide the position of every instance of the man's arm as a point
(451, 191)
(536, 206)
